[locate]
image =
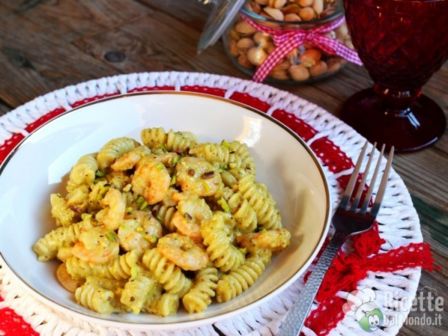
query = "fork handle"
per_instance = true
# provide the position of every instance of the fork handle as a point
(296, 316)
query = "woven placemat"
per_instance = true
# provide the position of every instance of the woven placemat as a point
(334, 143)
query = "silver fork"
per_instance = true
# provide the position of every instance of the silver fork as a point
(351, 218)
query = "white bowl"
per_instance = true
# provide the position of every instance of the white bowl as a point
(36, 168)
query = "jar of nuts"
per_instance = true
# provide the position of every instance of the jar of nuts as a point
(290, 40)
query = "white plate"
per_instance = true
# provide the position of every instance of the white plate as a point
(283, 162)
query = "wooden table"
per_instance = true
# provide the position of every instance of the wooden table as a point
(45, 45)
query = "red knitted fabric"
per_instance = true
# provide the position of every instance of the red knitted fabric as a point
(12, 324)
(347, 269)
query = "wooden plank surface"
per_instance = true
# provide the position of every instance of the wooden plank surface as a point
(45, 45)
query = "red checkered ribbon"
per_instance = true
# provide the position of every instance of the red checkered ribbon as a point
(286, 40)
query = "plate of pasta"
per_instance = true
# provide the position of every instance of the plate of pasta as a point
(161, 209)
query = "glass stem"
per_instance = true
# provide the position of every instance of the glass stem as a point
(398, 101)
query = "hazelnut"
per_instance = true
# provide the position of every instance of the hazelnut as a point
(310, 57)
(261, 39)
(245, 43)
(279, 74)
(256, 55)
(292, 17)
(282, 66)
(242, 60)
(318, 69)
(305, 3)
(307, 14)
(318, 6)
(299, 72)
(244, 28)
(274, 13)
(277, 3)
(291, 9)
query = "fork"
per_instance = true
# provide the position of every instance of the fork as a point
(351, 218)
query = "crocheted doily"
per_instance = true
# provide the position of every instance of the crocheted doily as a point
(334, 143)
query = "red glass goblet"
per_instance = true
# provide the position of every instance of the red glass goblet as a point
(401, 43)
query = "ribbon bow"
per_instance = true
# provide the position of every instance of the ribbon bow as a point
(286, 40)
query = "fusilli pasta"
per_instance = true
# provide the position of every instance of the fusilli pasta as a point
(240, 279)
(217, 235)
(167, 222)
(200, 295)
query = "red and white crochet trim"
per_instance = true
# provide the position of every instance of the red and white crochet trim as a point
(382, 259)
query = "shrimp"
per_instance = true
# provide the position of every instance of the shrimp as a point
(274, 240)
(139, 232)
(172, 197)
(96, 245)
(130, 159)
(198, 176)
(151, 226)
(183, 252)
(151, 180)
(189, 216)
(66, 280)
(131, 237)
(113, 214)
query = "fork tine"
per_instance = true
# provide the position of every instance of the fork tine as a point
(365, 204)
(382, 187)
(351, 183)
(363, 180)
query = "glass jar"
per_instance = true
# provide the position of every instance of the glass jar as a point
(248, 46)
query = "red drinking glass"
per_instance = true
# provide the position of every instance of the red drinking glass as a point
(401, 43)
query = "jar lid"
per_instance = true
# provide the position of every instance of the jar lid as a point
(221, 17)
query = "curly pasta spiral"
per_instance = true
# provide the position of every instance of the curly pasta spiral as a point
(135, 293)
(212, 152)
(179, 142)
(261, 201)
(82, 173)
(240, 157)
(217, 238)
(166, 304)
(166, 272)
(153, 296)
(153, 137)
(78, 199)
(47, 247)
(164, 215)
(94, 297)
(60, 210)
(120, 268)
(113, 149)
(243, 213)
(96, 195)
(239, 280)
(200, 295)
